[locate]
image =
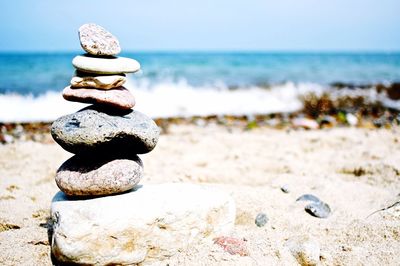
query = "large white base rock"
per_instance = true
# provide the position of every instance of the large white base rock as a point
(152, 222)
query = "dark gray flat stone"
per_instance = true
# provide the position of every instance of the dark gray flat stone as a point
(101, 129)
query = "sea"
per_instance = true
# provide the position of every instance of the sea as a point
(183, 84)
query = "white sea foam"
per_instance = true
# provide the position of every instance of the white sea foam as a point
(166, 100)
(169, 99)
(180, 99)
(46, 107)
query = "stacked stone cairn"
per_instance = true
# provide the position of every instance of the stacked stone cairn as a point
(102, 217)
(106, 136)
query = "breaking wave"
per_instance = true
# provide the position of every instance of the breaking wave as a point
(176, 99)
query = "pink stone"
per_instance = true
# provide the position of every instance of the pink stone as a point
(119, 97)
(232, 245)
(99, 175)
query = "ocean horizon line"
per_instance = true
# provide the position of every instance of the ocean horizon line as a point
(227, 51)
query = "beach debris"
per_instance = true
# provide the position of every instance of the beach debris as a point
(306, 251)
(341, 117)
(19, 132)
(351, 119)
(6, 138)
(233, 246)
(96, 40)
(316, 208)
(273, 122)
(285, 188)
(199, 122)
(381, 121)
(397, 203)
(252, 125)
(327, 121)
(39, 242)
(100, 199)
(12, 188)
(38, 131)
(4, 226)
(305, 123)
(261, 219)
(393, 91)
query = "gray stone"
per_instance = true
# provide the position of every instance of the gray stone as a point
(152, 223)
(285, 189)
(308, 197)
(112, 65)
(120, 97)
(98, 41)
(318, 209)
(97, 128)
(99, 175)
(98, 82)
(261, 219)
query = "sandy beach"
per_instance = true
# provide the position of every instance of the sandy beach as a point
(200, 133)
(354, 170)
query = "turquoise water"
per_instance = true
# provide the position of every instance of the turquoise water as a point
(187, 84)
(29, 73)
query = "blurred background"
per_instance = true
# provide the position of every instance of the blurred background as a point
(318, 59)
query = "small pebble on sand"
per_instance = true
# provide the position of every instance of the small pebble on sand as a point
(320, 209)
(261, 219)
(285, 189)
(232, 245)
(316, 208)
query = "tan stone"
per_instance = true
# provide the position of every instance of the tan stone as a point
(98, 82)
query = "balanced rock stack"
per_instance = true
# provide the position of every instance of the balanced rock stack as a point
(102, 217)
(107, 136)
(100, 75)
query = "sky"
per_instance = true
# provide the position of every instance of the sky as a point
(206, 25)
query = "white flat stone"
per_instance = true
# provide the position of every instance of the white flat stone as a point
(152, 223)
(109, 65)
